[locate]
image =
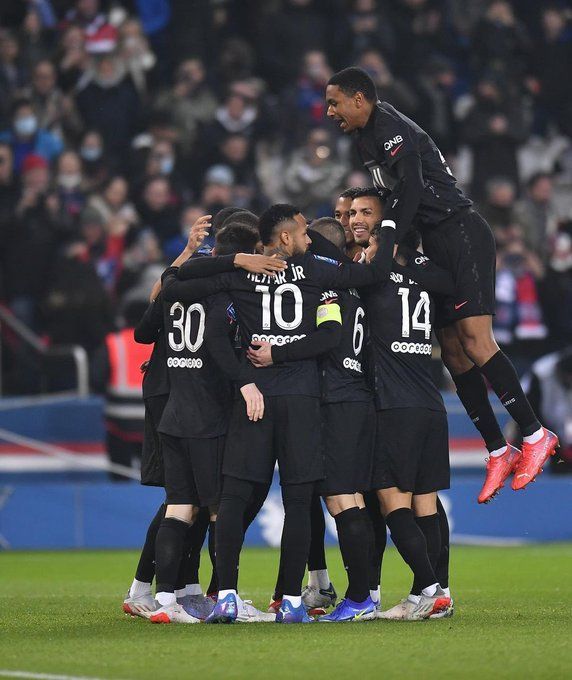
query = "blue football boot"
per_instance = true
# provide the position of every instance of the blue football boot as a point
(348, 610)
(225, 611)
(289, 614)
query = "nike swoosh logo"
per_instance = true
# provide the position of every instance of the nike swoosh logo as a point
(459, 306)
(394, 151)
(360, 614)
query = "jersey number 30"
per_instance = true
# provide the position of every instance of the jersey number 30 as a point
(183, 327)
(422, 307)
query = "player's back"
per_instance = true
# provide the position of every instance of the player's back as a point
(280, 309)
(343, 369)
(199, 396)
(400, 315)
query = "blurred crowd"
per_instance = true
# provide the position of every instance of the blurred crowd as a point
(122, 121)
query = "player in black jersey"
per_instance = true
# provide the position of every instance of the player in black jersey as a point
(278, 310)
(411, 461)
(347, 435)
(396, 150)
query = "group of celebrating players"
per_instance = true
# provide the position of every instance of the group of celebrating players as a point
(316, 355)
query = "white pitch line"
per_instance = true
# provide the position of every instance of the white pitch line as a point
(43, 676)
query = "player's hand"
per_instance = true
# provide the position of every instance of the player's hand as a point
(358, 257)
(260, 264)
(262, 356)
(197, 232)
(254, 401)
(144, 366)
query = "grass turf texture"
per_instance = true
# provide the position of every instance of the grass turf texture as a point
(61, 613)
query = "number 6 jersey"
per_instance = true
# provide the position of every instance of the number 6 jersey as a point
(199, 398)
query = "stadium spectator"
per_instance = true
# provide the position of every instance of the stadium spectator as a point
(556, 290)
(109, 102)
(518, 325)
(70, 191)
(498, 205)
(118, 362)
(31, 241)
(313, 174)
(536, 215)
(549, 389)
(26, 137)
(95, 164)
(54, 111)
(494, 127)
(190, 102)
(156, 208)
(13, 74)
(389, 88)
(552, 67)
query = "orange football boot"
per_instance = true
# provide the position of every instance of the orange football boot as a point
(498, 469)
(534, 456)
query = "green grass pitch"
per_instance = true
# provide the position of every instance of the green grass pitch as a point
(60, 614)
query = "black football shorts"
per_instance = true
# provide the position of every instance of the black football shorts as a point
(192, 470)
(348, 431)
(288, 433)
(464, 245)
(411, 450)
(152, 470)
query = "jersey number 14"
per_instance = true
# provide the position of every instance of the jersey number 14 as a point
(414, 322)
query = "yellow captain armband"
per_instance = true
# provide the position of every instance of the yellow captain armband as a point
(330, 312)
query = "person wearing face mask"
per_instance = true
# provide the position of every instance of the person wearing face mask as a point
(70, 189)
(96, 165)
(25, 137)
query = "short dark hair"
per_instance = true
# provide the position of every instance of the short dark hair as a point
(536, 177)
(360, 192)
(236, 238)
(349, 192)
(331, 229)
(272, 217)
(244, 217)
(354, 79)
(221, 216)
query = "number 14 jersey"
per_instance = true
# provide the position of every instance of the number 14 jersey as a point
(400, 315)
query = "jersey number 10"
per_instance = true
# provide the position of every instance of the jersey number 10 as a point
(277, 306)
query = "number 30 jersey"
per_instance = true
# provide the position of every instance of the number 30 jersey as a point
(400, 316)
(199, 398)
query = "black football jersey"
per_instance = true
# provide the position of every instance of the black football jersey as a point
(400, 317)
(389, 136)
(343, 369)
(278, 310)
(200, 396)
